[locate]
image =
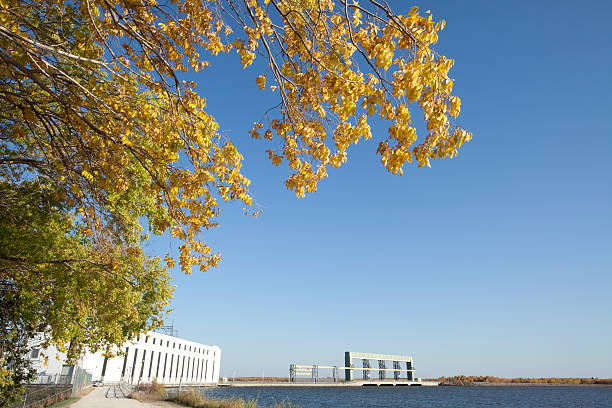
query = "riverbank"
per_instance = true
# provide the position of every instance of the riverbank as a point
(190, 398)
(112, 396)
(498, 384)
(463, 380)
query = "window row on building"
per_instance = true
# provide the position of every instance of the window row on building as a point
(172, 344)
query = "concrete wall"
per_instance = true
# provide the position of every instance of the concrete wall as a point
(55, 361)
(170, 360)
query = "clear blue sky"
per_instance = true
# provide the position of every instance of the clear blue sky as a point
(497, 262)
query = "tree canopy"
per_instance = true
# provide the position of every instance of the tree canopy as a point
(102, 141)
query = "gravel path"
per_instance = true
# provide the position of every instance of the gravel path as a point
(112, 396)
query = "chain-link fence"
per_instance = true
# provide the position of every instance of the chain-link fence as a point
(40, 396)
(46, 390)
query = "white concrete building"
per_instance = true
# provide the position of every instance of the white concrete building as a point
(168, 359)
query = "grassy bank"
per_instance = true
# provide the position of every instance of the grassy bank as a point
(65, 402)
(71, 400)
(157, 392)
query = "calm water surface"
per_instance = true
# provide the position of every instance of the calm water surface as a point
(456, 397)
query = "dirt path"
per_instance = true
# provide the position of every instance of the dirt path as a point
(112, 396)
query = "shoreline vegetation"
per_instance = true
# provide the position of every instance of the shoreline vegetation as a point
(462, 380)
(189, 398)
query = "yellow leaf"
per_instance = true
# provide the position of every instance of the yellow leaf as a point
(261, 81)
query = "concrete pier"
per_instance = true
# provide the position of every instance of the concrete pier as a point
(330, 384)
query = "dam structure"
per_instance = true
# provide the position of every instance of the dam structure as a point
(382, 369)
(375, 370)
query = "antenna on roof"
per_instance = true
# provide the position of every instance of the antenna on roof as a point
(167, 330)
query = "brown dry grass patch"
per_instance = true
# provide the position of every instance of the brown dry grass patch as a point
(149, 392)
(157, 392)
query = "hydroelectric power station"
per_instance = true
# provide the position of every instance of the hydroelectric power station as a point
(391, 369)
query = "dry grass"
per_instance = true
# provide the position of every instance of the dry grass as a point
(192, 399)
(149, 392)
(157, 392)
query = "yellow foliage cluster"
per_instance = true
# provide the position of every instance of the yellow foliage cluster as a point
(324, 92)
(126, 118)
(123, 132)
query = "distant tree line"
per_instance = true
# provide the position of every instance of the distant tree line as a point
(473, 380)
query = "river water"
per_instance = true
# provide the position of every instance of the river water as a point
(455, 397)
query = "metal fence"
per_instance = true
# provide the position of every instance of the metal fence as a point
(80, 380)
(49, 389)
(126, 388)
(42, 396)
